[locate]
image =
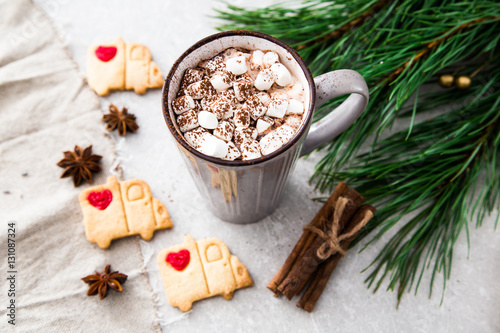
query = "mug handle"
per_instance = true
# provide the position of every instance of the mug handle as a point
(328, 86)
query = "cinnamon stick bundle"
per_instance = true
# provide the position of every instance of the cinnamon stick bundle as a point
(325, 270)
(321, 246)
(307, 237)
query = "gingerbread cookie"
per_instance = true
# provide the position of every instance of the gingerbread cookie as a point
(196, 270)
(120, 209)
(120, 66)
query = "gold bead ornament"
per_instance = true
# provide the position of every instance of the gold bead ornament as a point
(462, 82)
(446, 80)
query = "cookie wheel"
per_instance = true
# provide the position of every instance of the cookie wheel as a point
(228, 296)
(103, 243)
(147, 234)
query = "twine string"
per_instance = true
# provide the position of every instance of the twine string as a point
(331, 237)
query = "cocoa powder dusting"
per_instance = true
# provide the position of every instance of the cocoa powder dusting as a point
(236, 103)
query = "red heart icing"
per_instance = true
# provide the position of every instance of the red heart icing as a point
(178, 260)
(105, 53)
(100, 200)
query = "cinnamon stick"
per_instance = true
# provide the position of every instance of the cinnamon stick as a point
(351, 208)
(307, 237)
(301, 272)
(348, 213)
(325, 270)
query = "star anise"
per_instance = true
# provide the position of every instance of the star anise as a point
(121, 120)
(100, 283)
(80, 164)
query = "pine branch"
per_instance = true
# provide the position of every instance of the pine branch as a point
(432, 45)
(346, 27)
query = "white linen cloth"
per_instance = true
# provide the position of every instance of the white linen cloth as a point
(47, 108)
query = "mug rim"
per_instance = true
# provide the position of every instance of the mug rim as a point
(305, 123)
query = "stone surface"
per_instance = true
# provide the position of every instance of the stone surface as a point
(168, 28)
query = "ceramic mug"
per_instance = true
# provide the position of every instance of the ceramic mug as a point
(247, 191)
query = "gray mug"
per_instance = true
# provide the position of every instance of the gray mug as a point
(247, 191)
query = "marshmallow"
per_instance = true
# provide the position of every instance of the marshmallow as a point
(207, 120)
(200, 89)
(183, 104)
(250, 150)
(265, 79)
(295, 91)
(270, 58)
(281, 74)
(241, 118)
(188, 121)
(237, 65)
(255, 107)
(277, 108)
(214, 65)
(263, 124)
(257, 58)
(243, 134)
(191, 75)
(243, 89)
(194, 136)
(285, 133)
(270, 143)
(229, 94)
(233, 152)
(218, 83)
(220, 107)
(224, 130)
(222, 80)
(264, 98)
(295, 107)
(294, 121)
(229, 114)
(212, 146)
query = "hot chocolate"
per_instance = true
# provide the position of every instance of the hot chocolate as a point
(239, 104)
